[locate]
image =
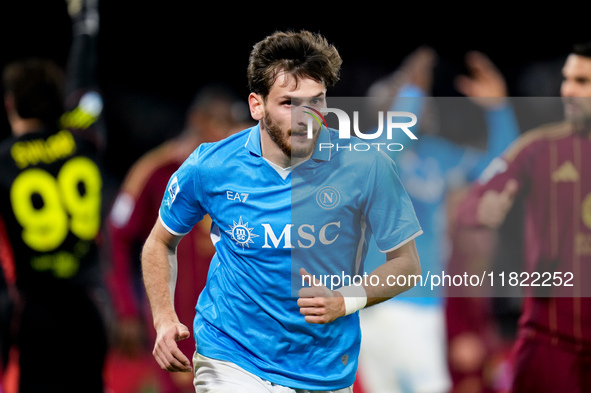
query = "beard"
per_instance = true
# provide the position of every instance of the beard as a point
(578, 113)
(577, 108)
(283, 139)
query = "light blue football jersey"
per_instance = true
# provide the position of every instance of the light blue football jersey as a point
(265, 228)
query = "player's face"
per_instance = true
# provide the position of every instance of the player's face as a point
(284, 119)
(576, 87)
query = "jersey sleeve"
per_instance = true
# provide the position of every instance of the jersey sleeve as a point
(128, 225)
(514, 164)
(182, 205)
(121, 239)
(389, 211)
(503, 129)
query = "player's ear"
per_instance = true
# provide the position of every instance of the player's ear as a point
(257, 107)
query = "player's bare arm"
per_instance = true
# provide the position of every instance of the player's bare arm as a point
(159, 266)
(321, 305)
(404, 261)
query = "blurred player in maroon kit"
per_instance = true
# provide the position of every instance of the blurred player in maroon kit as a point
(479, 336)
(548, 168)
(214, 114)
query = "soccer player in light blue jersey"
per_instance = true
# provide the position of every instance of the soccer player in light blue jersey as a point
(286, 215)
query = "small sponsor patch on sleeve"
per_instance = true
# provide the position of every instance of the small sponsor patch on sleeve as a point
(173, 189)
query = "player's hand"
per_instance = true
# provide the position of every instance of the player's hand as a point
(467, 352)
(485, 85)
(494, 206)
(166, 352)
(319, 304)
(418, 67)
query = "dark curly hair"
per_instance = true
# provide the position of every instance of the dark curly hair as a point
(582, 49)
(37, 86)
(300, 54)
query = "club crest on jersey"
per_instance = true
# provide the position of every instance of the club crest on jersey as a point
(328, 197)
(241, 233)
(173, 189)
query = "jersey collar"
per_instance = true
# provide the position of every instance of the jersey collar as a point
(253, 144)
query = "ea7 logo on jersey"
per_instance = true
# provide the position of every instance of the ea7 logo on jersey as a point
(241, 233)
(236, 196)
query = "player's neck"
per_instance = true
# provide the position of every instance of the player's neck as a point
(20, 126)
(581, 127)
(272, 153)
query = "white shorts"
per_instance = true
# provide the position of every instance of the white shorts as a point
(219, 376)
(403, 348)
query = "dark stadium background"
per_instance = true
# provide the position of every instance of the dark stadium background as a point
(152, 57)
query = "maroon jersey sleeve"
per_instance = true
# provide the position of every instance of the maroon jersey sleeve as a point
(129, 223)
(525, 161)
(122, 239)
(6, 256)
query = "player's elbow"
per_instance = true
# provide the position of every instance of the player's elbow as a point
(413, 257)
(414, 271)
